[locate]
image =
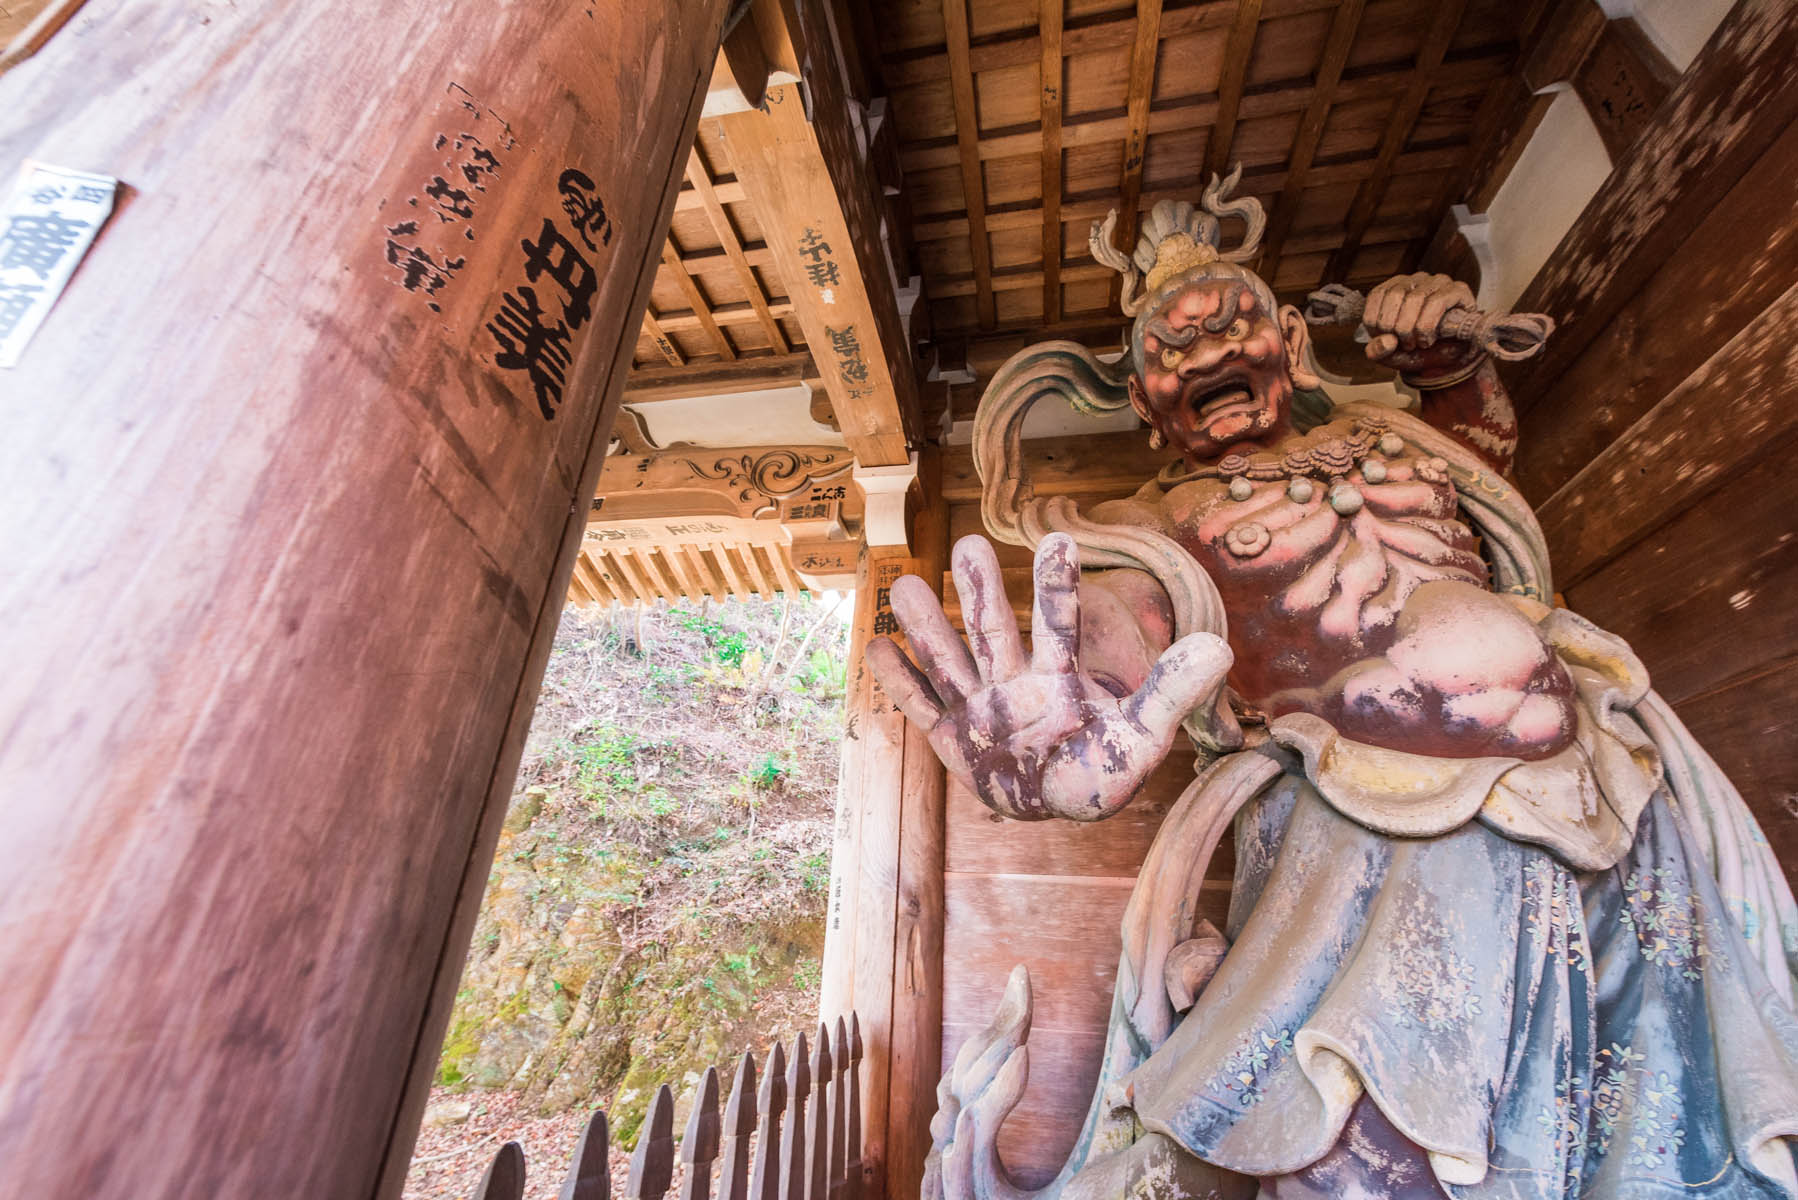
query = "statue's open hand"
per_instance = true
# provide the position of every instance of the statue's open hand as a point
(1403, 316)
(1037, 738)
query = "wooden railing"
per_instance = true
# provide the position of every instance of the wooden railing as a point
(798, 1136)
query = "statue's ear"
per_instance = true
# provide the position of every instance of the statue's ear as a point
(1139, 400)
(1297, 336)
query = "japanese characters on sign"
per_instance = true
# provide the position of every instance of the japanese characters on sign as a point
(426, 245)
(886, 571)
(48, 223)
(537, 318)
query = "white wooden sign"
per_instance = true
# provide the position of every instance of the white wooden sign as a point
(49, 221)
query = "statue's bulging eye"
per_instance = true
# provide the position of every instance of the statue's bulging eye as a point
(1170, 358)
(1237, 330)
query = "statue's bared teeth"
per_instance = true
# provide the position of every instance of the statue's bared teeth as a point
(1230, 393)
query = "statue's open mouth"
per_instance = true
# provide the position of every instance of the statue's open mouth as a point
(1221, 397)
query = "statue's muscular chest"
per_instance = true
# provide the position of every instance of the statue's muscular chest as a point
(1317, 545)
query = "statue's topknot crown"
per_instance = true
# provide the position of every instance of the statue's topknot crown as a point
(1179, 237)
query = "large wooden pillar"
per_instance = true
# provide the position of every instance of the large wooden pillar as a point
(295, 474)
(884, 935)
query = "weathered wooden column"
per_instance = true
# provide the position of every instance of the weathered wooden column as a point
(295, 474)
(884, 940)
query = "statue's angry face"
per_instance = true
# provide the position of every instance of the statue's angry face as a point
(1217, 368)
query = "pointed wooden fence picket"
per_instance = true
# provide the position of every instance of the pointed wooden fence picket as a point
(796, 1137)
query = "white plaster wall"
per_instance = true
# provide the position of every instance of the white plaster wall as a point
(1565, 161)
(772, 417)
(1679, 28)
(1557, 173)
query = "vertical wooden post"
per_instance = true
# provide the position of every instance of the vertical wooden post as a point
(338, 374)
(883, 947)
(916, 1037)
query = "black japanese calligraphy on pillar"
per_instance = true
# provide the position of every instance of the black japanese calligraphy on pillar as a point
(527, 343)
(537, 319)
(586, 211)
(424, 247)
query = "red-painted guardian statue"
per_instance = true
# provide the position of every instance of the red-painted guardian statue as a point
(1499, 927)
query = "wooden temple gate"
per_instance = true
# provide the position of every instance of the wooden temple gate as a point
(256, 768)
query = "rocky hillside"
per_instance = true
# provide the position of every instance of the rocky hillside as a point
(657, 902)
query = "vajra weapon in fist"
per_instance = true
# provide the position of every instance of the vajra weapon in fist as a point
(1038, 738)
(1428, 323)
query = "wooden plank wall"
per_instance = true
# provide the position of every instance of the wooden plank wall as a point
(1049, 895)
(1657, 437)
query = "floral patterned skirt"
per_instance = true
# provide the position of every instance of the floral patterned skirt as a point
(1537, 1031)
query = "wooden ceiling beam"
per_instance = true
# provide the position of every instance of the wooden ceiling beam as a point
(1138, 92)
(1470, 76)
(728, 191)
(838, 281)
(701, 307)
(701, 181)
(1343, 28)
(648, 384)
(818, 200)
(967, 143)
(1372, 191)
(737, 313)
(1049, 74)
(1229, 89)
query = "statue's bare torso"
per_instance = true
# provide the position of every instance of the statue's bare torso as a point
(1378, 619)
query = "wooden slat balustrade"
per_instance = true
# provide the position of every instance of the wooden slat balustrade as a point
(797, 1138)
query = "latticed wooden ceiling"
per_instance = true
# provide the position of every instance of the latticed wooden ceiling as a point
(717, 294)
(1017, 124)
(1020, 126)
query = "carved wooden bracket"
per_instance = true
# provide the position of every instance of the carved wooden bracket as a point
(747, 481)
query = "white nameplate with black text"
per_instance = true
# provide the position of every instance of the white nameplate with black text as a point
(49, 221)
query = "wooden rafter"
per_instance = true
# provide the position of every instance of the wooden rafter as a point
(1138, 92)
(1343, 27)
(1051, 67)
(713, 581)
(755, 571)
(1114, 32)
(652, 571)
(702, 309)
(1310, 242)
(689, 584)
(967, 141)
(1398, 131)
(732, 576)
(701, 180)
(662, 341)
(627, 569)
(1229, 89)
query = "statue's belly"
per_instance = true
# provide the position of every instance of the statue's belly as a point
(1378, 618)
